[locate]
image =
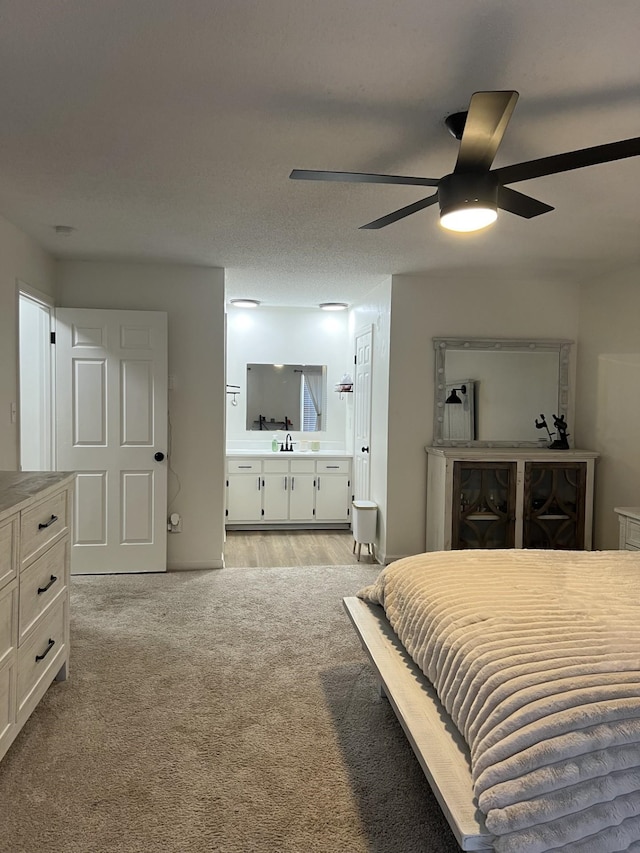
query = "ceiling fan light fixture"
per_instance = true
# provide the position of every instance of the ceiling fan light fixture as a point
(470, 217)
(468, 201)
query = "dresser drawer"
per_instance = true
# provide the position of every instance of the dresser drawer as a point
(41, 524)
(42, 584)
(8, 621)
(40, 658)
(8, 549)
(633, 533)
(7, 704)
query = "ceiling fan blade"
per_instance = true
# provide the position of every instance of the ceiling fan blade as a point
(521, 205)
(361, 178)
(400, 214)
(571, 160)
(487, 120)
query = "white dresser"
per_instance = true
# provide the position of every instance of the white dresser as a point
(35, 522)
(287, 490)
(629, 517)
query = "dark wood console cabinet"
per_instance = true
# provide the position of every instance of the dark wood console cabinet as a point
(509, 498)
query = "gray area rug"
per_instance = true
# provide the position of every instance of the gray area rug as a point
(229, 711)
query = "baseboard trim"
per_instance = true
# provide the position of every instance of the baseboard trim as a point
(188, 566)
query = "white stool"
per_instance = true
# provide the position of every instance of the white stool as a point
(364, 519)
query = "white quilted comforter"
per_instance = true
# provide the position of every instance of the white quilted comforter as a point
(536, 657)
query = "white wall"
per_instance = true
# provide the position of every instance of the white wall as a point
(423, 307)
(21, 259)
(193, 297)
(288, 336)
(608, 394)
(375, 311)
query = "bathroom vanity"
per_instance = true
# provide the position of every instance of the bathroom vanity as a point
(288, 490)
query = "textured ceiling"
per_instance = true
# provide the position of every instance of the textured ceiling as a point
(166, 130)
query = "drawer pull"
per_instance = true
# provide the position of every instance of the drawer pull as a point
(331, 466)
(50, 645)
(42, 589)
(48, 523)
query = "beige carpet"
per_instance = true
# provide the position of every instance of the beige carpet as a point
(230, 711)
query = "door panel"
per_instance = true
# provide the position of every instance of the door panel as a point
(362, 418)
(111, 380)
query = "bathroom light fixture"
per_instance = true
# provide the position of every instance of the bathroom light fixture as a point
(467, 202)
(453, 397)
(333, 306)
(244, 303)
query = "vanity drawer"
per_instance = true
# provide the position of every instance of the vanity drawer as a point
(303, 466)
(8, 549)
(39, 659)
(41, 524)
(333, 466)
(42, 584)
(276, 466)
(244, 466)
(8, 620)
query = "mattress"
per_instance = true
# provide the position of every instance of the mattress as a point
(536, 657)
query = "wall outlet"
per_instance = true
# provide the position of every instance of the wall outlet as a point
(174, 523)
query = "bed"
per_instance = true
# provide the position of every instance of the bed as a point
(516, 677)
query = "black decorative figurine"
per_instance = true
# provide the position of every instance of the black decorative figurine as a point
(560, 443)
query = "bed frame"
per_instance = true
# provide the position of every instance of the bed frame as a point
(439, 747)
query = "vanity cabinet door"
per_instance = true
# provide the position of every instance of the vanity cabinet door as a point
(275, 497)
(302, 493)
(484, 510)
(244, 497)
(332, 497)
(554, 505)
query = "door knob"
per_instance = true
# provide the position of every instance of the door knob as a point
(365, 449)
(159, 456)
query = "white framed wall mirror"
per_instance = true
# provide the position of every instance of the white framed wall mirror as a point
(289, 397)
(490, 392)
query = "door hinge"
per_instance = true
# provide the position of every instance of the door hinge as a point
(53, 337)
(313, 511)
(355, 359)
(227, 483)
(226, 512)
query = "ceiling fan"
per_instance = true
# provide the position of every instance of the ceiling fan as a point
(470, 196)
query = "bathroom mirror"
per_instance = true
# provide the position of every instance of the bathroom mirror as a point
(498, 389)
(289, 397)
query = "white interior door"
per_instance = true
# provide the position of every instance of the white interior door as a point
(36, 404)
(362, 416)
(111, 405)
